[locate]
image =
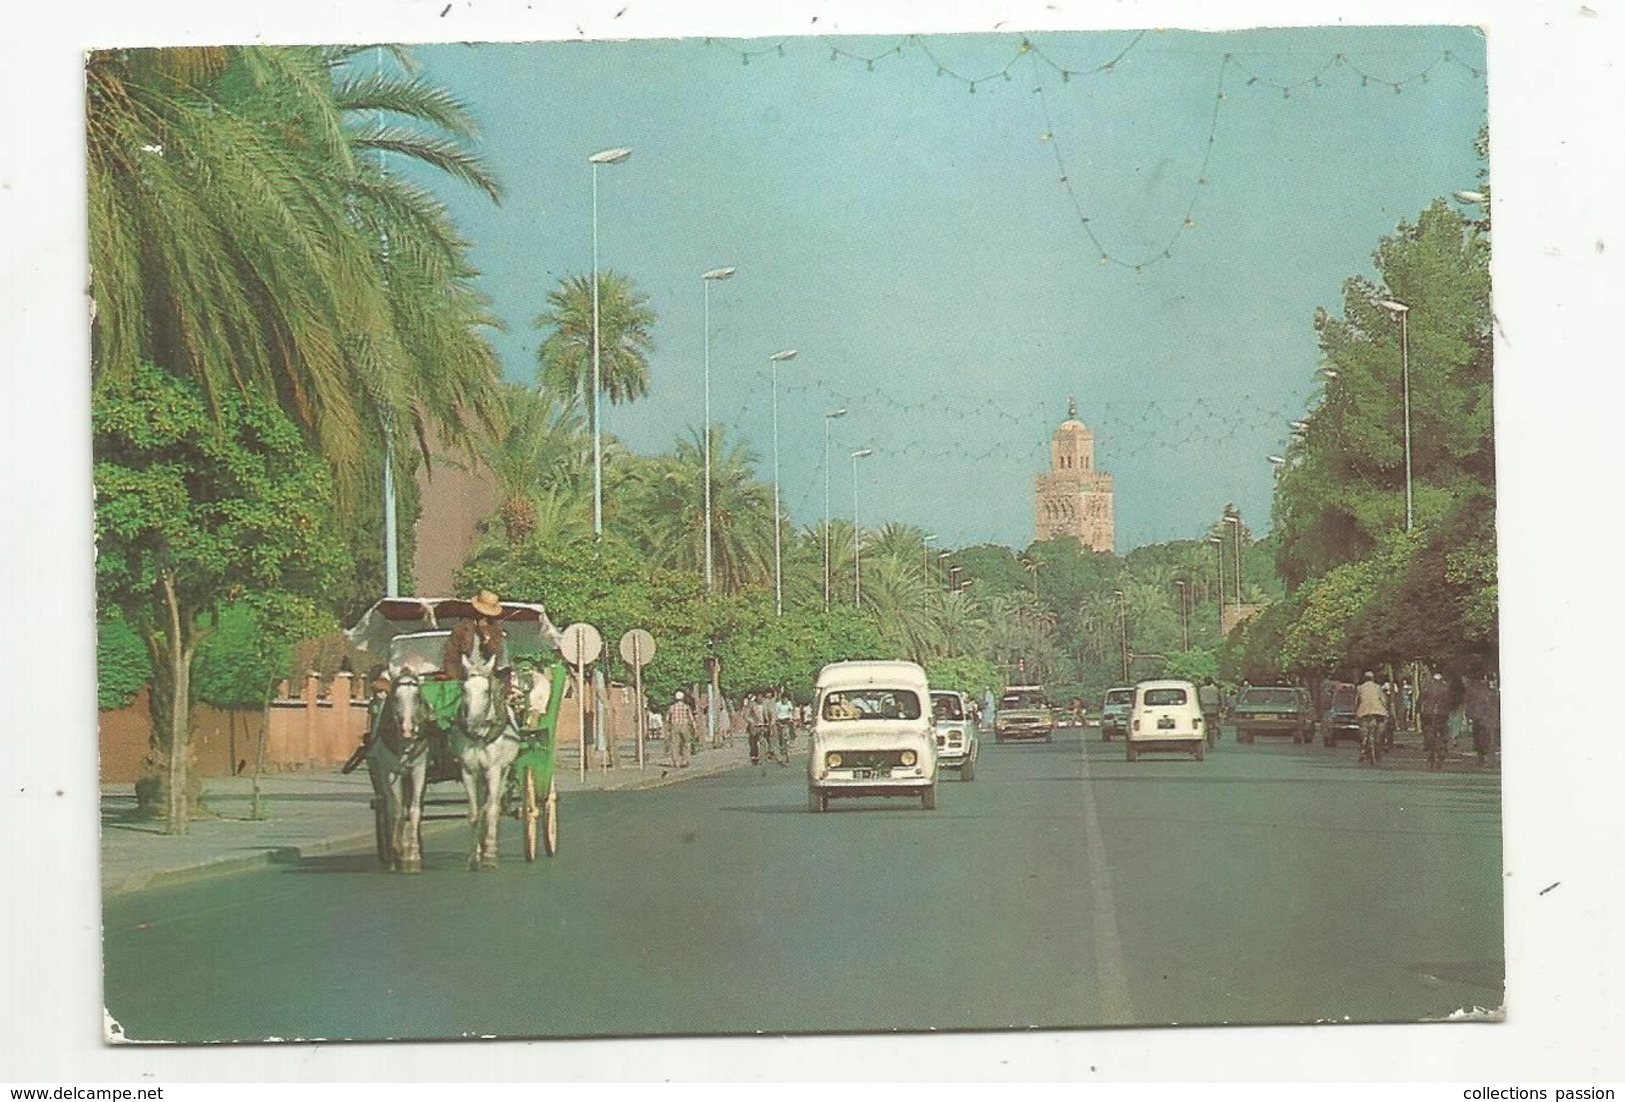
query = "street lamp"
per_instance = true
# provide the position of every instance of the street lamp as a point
(1184, 615)
(1122, 609)
(1400, 310)
(941, 555)
(857, 540)
(1475, 197)
(954, 583)
(1218, 546)
(1278, 460)
(1329, 372)
(828, 417)
(714, 275)
(778, 569)
(1229, 519)
(604, 157)
(925, 552)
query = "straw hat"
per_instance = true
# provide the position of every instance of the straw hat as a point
(487, 603)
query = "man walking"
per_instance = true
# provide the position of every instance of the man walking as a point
(1372, 713)
(1207, 695)
(1436, 720)
(680, 731)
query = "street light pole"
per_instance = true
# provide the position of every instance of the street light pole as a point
(606, 157)
(1401, 310)
(857, 538)
(1122, 610)
(706, 280)
(1218, 548)
(1184, 616)
(925, 554)
(828, 417)
(778, 567)
(1237, 522)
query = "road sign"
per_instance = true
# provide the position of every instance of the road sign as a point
(580, 644)
(637, 647)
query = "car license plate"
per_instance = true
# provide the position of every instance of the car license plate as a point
(862, 774)
(1166, 723)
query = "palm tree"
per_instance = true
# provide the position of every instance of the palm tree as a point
(541, 449)
(234, 238)
(896, 592)
(664, 513)
(964, 629)
(625, 320)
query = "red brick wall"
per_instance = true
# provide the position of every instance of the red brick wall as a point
(456, 494)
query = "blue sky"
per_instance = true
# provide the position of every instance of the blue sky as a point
(915, 243)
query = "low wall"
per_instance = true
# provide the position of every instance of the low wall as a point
(316, 727)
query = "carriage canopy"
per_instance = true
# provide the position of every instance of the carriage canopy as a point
(527, 626)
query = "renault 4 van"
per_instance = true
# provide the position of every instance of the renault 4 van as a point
(1166, 716)
(872, 735)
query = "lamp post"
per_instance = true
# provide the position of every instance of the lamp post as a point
(1237, 522)
(925, 553)
(1218, 547)
(1277, 461)
(708, 278)
(778, 567)
(941, 555)
(1122, 610)
(1184, 616)
(1399, 309)
(605, 157)
(828, 417)
(953, 578)
(857, 540)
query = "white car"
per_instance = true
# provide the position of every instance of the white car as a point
(957, 741)
(1165, 716)
(872, 734)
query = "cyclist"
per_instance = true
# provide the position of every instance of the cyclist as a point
(1372, 712)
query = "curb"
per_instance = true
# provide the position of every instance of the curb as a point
(342, 843)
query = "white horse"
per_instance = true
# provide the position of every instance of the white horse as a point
(398, 762)
(486, 744)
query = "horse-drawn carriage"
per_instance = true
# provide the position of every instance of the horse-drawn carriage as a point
(495, 729)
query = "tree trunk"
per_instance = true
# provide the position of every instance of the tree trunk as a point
(178, 651)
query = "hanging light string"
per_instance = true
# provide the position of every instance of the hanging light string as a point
(1026, 47)
(1106, 256)
(1319, 77)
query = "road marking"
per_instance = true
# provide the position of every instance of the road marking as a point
(1117, 1008)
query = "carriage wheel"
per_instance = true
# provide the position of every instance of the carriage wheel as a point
(529, 812)
(550, 820)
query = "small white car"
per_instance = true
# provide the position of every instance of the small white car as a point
(872, 734)
(957, 732)
(1165, 716)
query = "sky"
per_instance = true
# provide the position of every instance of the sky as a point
(915, 242)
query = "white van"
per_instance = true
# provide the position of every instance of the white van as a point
(872, 734)
(1166, 716)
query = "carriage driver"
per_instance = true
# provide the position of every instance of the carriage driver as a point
(485, 631)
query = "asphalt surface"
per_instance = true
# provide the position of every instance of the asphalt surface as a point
(1064, 887)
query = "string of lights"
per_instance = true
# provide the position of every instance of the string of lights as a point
(1318, 78)
(1037, 57)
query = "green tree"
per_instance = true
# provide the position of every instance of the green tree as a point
(197, 506)
(625, 326)
(235, 237)
(123, 666)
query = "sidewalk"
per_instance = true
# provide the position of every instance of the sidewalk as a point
(308, 814)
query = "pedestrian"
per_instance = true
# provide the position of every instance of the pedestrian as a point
(1390, 697)
(1436, 720)
(1207, 696)
(782, 728)
(755, 726)
(1372, 713)
(679, 731)
(988, 709)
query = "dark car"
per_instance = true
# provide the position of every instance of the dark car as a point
(1273, 710)
(1340, 722)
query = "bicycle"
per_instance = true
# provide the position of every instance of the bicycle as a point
(1371, 740)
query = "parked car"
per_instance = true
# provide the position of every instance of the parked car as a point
(1114, 712)
(872, 734)
(953, 715)
(1339, 722)
(1166, 716)
(1023, 713)
(1273, 710)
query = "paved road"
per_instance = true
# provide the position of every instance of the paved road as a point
(1271, 883)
